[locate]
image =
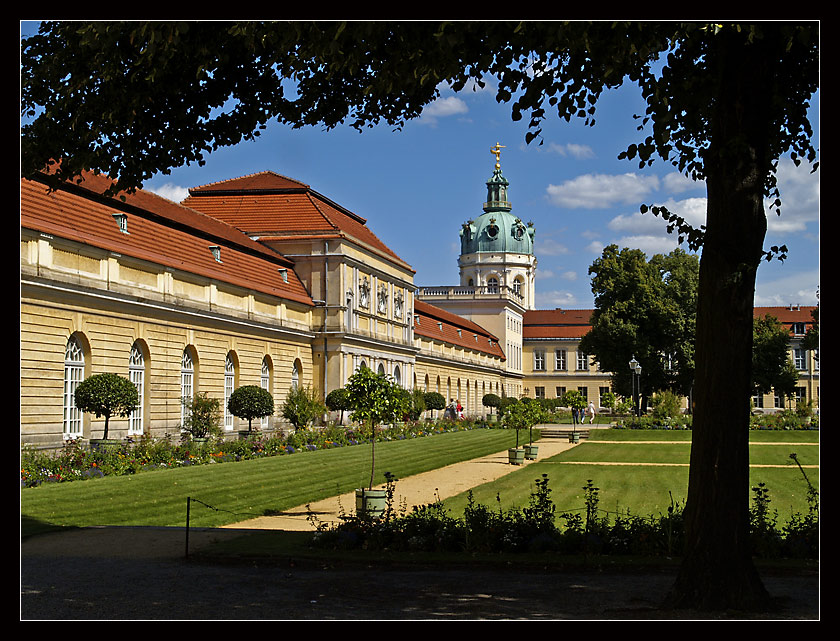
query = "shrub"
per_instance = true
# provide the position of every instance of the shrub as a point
(106, 395)
(302, 407)
(666, 404)
(202, 416)
(250, 402)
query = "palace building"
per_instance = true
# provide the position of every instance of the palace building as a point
(261, 280)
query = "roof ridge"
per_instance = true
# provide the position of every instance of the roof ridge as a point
(251, 175)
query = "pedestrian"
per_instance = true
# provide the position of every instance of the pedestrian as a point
(591, 412)
(459, 409)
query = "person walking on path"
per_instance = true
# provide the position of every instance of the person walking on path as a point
(591, 412)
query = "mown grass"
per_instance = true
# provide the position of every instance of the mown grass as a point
(232, 492)
(644, 489)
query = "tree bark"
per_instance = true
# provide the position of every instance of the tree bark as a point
(717, 571)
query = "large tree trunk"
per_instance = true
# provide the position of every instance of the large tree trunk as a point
(717, 571)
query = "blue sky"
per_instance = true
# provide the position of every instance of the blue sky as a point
(416, 186)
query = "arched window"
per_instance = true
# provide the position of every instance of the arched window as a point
(74, 372)
(230, 384)
(492, 285)
(137, 375)
(517, 286)
(397, 377)
(380, 369)
(296, 374)
(265, 383)
(187, 383)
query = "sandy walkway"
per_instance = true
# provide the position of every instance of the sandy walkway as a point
(421, 489)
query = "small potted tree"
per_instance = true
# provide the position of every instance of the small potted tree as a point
(575, 401)
(250, 402)
(106, 395)
(535, 412)
(202, 418)
(374, 399)
(514, 416)
(491, 401)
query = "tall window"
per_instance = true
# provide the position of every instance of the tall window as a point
(265, 383)
(137, 375)
(582, 365)
(560, 359)
(799, 359)
(187, 382)
(230, 381)
(539, 360)
(296, 374)
(74, 372)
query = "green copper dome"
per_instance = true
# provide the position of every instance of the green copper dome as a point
(497, 229)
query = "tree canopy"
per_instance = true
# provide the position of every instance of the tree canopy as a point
(772, 368)
(644, 309)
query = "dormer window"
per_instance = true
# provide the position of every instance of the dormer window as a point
(284, 274)
(217, 253)
(122, 222)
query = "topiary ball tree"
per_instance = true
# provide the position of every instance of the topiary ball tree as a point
(434, 401)
(106, 395)
(250, 402)
(491, 400)
(338, 401)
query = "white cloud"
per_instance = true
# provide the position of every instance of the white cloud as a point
(175, 193)
(798, 288)
(597, 191)
(556, 298)
(550, 247)
(442, 108)
(595, 247)
(676, 183)
(799, 190)
(571, 149)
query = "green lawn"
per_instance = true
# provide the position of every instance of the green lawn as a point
(238, 491)
(649, 489)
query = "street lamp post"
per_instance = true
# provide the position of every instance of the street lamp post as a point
(636, 379)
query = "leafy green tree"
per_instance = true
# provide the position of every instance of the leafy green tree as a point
(723, 103)
(812, 336)
(250, 402)
(644, 309)
(106, 395)
(374, 399)
(302, 406)
(772, 367)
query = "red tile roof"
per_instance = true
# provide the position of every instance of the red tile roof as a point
(556, 323)
(275, 207)
(575, 323)
(438, 324)
(159, 231)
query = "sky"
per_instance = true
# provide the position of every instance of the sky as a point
(416, 186)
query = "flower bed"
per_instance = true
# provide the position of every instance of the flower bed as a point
(76, 462)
